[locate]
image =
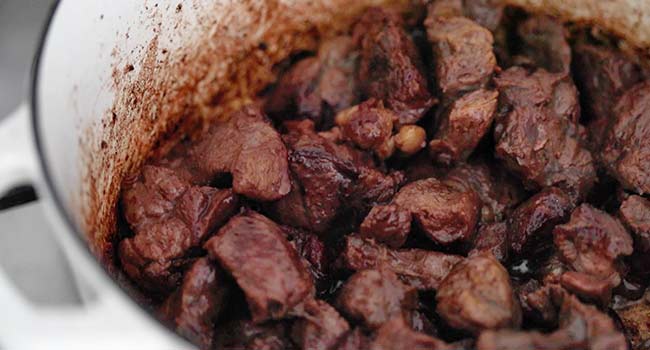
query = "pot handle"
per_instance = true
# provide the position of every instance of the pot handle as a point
(106, 319)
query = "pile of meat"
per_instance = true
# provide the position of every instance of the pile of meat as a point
(475, 179)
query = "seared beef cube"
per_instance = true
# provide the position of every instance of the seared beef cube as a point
(244, 334)
(266, 267)
(397, 335)
(311, 249)
(193, 308)
(591, 244)
(534, 219)
(487, 13)
(536, 303)
(477, 295)
(328, 179)
(389, 224)
(368, 125)
(492, 237)
(444, 213)
(635, 213)
(319, 326)
(537, 136)
(602, 75)
(445, 8)
(169, 217)
(421, 269)
(499, 192)
(544, 44)
(626, 146)
(634, 317)
(581, 327)
(463, 126)
(318, 87)
(464, 60)
(248, 147)
(374, 296)
(390, 67)
(354, 340)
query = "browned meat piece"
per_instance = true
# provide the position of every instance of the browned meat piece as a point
(240, 334)
(418, 268)
(626, 146)
(250, 148)
(390, 67)
(368, 125)
(311, 249)
(374, 296)
(486, 13)
(534, 219)
(266, 267)
(397, 335)
(602, 74)
(634, 317)
(463, 126)
(538, 135)
(498, 191)
(319, 326)
(544, 44)
(492, 237)
(388, 224)
(635, 213)
(354, 340)
(463, 53)
(581, 327)
(318, 87)
(169, 217)
(328, 179)
(591, 244)
(193, 308)
(444, 213)
(477, 295)
(537, 304)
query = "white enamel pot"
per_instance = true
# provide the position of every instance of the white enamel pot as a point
(110, 78)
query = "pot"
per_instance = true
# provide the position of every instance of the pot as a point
(114, 82)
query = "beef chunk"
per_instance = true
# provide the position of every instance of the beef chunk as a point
(444, 213)
(312, 250)
(492, 237)
(498, 191)
(389, 224)
(463, 53)
(463, 125)
(390, 68)
(537, 135)
(477, 295)
(368, 125)
(266, 267)
(534, 219)
(354, 340)
(634, 317)
(543, 44)
(328, 179)
(318, 87)
(487, 13)
(591, 244)
(602, 74)
(319, 326)
(396, 335)
(169, 217)
(418, 268)
(244, 334)
(248, 147)
(635, 213)
(537, 304)
(194, 307)
(626, 146)
(581, 327)
(374, 296)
